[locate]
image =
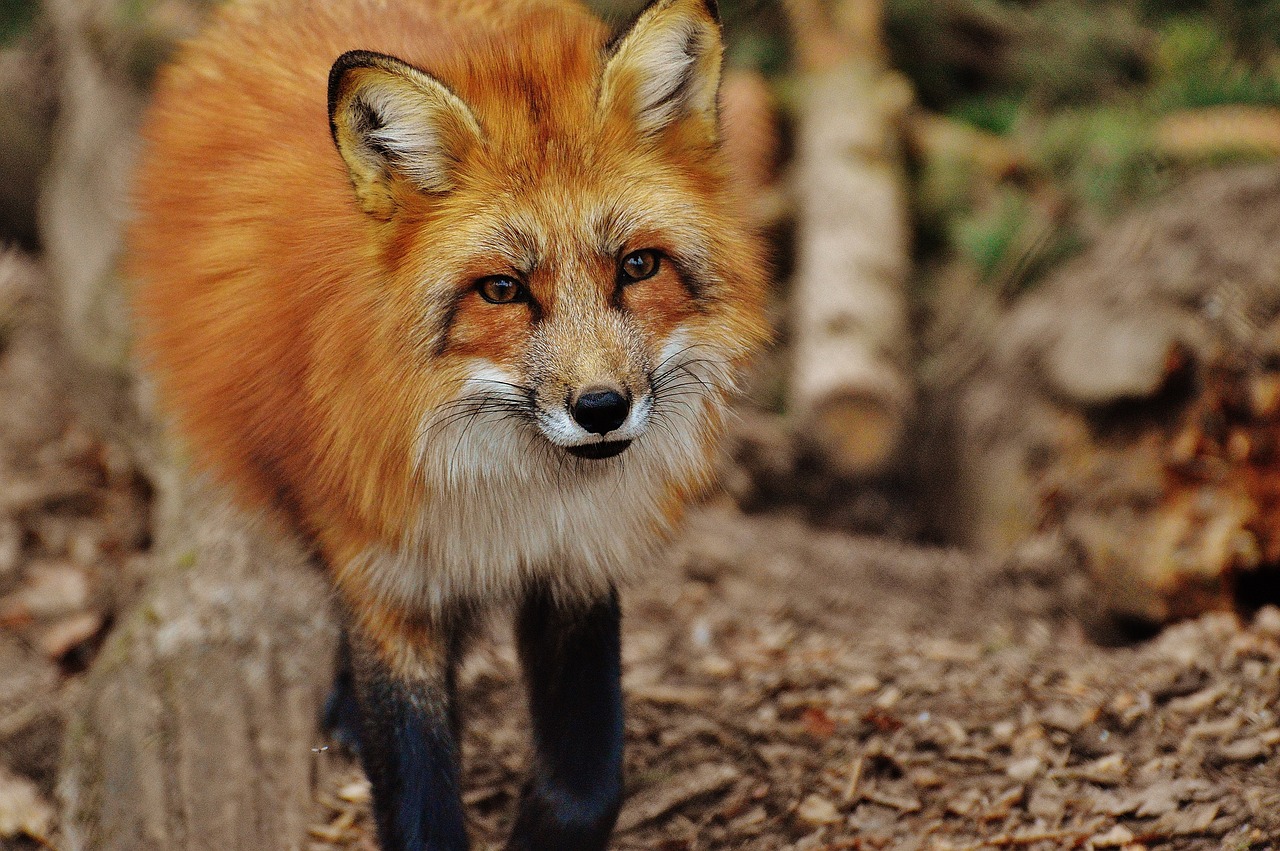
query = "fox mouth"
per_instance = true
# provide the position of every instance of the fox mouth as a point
(604, 449)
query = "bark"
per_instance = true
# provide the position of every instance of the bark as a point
(200, 713)
(850, 388)
(26, 101)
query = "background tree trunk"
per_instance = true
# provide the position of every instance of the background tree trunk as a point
(850, 386)
(200, 712)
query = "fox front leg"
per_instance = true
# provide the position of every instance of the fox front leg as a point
(572, 670)
(403, 679)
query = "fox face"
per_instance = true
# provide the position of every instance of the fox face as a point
(586, 293)
(582, 332)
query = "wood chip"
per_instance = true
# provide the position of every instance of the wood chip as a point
(356, 792)
(966, 803)
(64, 635)
(1188, 822)
(660, 798)
(1025, 769)
(1116, 837)
(336, 830)
(17, 497)
(673, 695)
(884, 799)
(816, 809)
(1200, 702)
(1157, 799)
(51, 588)
(1107, 771)
(1243, 750)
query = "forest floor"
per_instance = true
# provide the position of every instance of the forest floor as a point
(787, 687)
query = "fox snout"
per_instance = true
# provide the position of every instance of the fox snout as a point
(600, 410)
(596, 421)
(589, 369)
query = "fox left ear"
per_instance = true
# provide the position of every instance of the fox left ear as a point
(396, 128)
(665, 69)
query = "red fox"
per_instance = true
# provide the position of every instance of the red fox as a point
(458, 289)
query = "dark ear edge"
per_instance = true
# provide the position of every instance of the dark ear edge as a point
(394, 124)
(611, 47)
(346, 62)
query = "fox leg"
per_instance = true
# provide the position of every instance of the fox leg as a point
(403, 677)
(341, 718)
(572, 670)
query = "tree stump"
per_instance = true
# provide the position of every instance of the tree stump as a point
(200, 712)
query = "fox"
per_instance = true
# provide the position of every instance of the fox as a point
(460, 292)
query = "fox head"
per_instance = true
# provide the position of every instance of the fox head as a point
(555, 211)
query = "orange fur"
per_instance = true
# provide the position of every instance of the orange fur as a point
(296, 336)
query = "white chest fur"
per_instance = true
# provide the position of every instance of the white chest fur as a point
(508, 507)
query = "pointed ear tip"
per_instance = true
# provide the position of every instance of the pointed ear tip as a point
(710, 7)
(353, 59)
(338, 71)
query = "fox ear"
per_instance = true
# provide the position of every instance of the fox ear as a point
(665, 69)
(394, 123)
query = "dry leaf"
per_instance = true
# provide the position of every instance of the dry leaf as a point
(816, 809)
(661, 798)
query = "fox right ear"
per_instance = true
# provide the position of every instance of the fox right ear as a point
(393, 124)
(665, 70)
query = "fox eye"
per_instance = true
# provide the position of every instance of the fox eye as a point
(501, 290)
(638, 265)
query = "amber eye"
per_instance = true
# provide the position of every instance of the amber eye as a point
(638, 265)
(501, 290)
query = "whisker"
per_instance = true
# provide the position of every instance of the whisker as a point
(680, 352)
(524, 390)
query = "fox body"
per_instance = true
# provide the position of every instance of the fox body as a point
(458, 289)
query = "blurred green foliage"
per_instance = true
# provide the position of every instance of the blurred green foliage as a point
(1063, 100)
(1053, 52)
(1075, 92)
(16, 17)
(755, 30)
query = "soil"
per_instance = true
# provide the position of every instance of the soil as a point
(789, 685)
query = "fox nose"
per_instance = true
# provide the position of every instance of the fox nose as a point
(600, 410)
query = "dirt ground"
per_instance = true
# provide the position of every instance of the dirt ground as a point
(787, 686)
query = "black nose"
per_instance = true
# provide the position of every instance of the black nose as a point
(600, 411)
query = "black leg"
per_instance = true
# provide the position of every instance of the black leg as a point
(408, 736)
(341, 711)
(572, 670)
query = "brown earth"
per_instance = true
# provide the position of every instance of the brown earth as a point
(788, 687)
(797, 689)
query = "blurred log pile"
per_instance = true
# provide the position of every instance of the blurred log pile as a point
(1128, 411)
